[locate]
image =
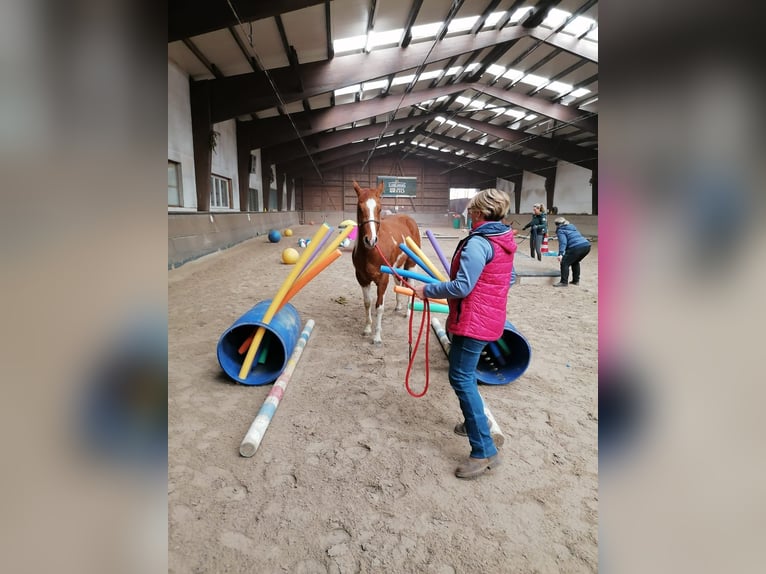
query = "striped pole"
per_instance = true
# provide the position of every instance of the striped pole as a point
(257, 429)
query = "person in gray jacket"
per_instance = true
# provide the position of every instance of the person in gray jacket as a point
(539, 225)
(573, 248)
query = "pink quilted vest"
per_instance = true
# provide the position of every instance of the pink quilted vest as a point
(481, 315)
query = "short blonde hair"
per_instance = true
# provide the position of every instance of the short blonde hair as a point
(540, 206)
(561, 221)
(492, 203)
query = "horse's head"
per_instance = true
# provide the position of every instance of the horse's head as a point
(368, 214)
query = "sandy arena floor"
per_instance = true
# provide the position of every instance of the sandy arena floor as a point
(356, 475)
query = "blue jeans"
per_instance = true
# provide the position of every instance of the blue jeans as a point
(463, 358)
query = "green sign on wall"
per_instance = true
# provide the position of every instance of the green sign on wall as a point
(398, 186)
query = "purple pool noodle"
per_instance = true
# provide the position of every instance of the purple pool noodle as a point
(438, 250)
(316, 251)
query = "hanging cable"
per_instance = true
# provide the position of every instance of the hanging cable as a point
(280, 101)
(456, 4)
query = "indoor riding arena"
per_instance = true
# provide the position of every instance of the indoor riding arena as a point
(275, 113)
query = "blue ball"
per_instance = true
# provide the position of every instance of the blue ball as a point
(274, 236)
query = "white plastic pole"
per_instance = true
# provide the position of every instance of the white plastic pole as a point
(257, 429)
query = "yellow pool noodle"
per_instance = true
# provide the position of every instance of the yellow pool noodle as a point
(419, 252)
(247, 364)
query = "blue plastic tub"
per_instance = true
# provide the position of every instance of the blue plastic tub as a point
(280, 339)
(515, 355)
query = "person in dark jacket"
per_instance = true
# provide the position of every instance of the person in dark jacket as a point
(539, 225)
(573, 248)
(477, 293)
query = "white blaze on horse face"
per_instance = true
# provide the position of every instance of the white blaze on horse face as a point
(370, 204)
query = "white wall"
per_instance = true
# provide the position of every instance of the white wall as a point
(532, 191)
(180, 147)
(224, 162)
(256, 181)
(572, 192)
(508, 187)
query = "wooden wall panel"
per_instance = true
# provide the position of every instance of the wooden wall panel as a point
(336, 192)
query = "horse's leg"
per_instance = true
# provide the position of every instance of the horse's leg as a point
(379, 305)
(401, 258)
(367, 296)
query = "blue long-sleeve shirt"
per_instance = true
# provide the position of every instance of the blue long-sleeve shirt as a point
(475, 255)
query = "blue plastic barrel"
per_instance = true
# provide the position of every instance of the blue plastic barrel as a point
(514, 360)
(279, 340)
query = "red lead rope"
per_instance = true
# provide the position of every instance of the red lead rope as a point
(425, 321)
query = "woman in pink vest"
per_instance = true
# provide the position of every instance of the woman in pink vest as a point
(476, 293)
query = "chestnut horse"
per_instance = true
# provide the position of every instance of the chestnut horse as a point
(373, 237)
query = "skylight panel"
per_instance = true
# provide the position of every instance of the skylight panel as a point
(426, 30)
(440, 119)
(349, 44)
(531, 117)
(375, 85)
(518, 114)
(592, 35)
(453, 70)
(559, 87)
(430, 74)
(386, 38)
(402, 80)
(462, 24)
(519, 14)
(471, 67)
(346, 90)
(433, 147)
(579, 25)
(580, 92)
(534, 80)
(495, 70)
(555, 18)
(493, 19)
(512, 74)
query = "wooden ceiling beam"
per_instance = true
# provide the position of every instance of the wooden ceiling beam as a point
(248, 93)
(187, 19)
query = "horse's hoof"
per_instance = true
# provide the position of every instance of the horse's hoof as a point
(367, 332)
(378, 342)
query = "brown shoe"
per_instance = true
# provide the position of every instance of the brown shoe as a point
(475, 467)
(497, 438)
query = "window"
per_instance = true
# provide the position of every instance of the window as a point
(253, 200)
(220, 194)
(175, 194)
